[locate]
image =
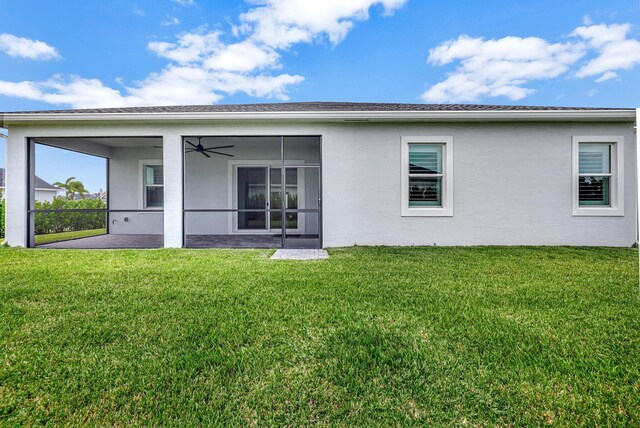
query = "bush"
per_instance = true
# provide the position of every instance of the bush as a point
(69, 221)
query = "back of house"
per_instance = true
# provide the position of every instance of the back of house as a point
(312, 175)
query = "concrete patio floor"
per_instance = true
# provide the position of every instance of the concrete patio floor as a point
(109, 242)
(113, 241)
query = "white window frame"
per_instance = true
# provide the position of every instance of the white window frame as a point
(446, 210)
(616, 182)
(142, 186)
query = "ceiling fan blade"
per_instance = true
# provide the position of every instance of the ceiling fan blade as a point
(157, 147)
(190, 150)
(219, 147)
(219, 153)
(205, 154)
(189, 142)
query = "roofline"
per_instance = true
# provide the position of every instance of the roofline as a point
(622, 115)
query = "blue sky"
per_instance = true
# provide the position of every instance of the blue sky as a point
(80, 54)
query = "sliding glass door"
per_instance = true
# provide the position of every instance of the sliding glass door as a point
(265, 210)
(251, 185)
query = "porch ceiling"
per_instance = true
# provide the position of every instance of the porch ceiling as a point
(111, 142)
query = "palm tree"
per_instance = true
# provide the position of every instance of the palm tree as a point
(72, 186)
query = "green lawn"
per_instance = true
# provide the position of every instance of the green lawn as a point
(372, 336)
(65, 236)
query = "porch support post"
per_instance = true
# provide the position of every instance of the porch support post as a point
(20, 155)
(172, 160)
(637, 168)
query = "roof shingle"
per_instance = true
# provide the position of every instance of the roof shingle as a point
(312, 107)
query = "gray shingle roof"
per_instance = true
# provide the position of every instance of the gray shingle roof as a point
(314, 107)
(40, 183)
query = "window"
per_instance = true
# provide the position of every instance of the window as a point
(427, 176)
(153, 186)
(598, 177)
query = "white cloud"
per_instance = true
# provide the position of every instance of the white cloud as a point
(497, 67)
(505, 67)
(185, 2)
(243, 57)
(174, 85)
(170, 20)
(202, 67)
(138, 11)
(592, 92)
(57, 90)
(282, 23)
(208, 49)
(607, 76)
(22, 47)
(615, 51)
(189, 48)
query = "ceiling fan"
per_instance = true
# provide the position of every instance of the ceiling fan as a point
(199, 148)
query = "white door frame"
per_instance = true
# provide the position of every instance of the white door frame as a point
(233, 194)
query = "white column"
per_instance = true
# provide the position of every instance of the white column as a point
(638, 182)
(19, 196)
(172, 153)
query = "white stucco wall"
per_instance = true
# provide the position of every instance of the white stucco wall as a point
(45, 195)
(512, 181)
(512, 186)
(125, 192)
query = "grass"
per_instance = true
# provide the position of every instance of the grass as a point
(65, 236)
(372, 336)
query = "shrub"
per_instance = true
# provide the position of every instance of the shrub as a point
(69, 221)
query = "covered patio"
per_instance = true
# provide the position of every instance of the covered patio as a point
(236, 192)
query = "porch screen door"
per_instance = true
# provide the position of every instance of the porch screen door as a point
(305, 208)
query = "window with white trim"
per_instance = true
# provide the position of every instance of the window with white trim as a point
(427, 176)
(597, 176)
(153, 186)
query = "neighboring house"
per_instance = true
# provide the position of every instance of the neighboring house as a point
(341, 174)
(102, 195)
(44, 192)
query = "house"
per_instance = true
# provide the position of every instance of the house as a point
(44, 192)
(339, 174)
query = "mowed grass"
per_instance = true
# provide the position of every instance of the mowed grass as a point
(372, 336)
(65, 236)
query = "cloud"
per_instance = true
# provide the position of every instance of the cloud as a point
(170, 20)
(138, 11)
(614, 50)
(505, 67)
(497, 67)
(73, 91)
(606, 76)
(203, 66)
(282, 23)
(189, 47)
(213, 54)
(244, 57)
(185, 2)
(21, 47)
